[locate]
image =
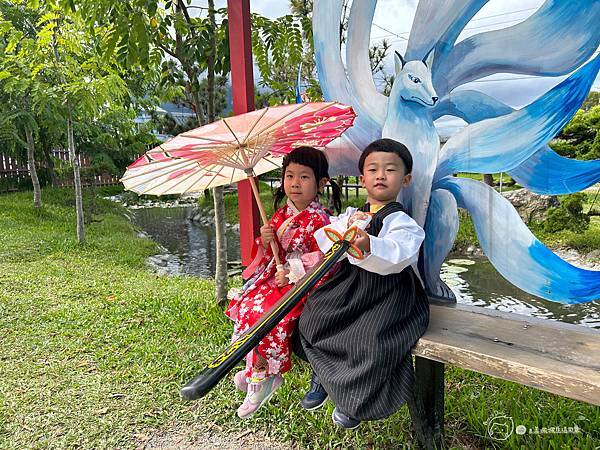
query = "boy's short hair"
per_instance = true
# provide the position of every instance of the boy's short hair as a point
(389, 146)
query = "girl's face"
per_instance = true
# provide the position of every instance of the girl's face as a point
(300, 184)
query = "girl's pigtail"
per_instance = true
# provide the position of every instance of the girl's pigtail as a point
(336, 195)
(278, 196)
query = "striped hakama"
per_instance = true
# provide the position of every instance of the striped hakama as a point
(358, 328)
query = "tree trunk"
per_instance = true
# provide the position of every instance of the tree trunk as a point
(76, 182)
(210, 63)
(197, 105)
(221, 246)
(50, 164)
(488, 179)
(221, 237)
(221, 242)
(72, 158)
(186, 63)
(37, 192)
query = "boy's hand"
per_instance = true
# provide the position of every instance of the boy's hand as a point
(281, 277)
(267, 234)
(358, 215)
(362, 240)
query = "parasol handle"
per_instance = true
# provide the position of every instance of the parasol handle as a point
(263, 216)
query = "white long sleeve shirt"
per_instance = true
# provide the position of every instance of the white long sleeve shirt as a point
(392, 250)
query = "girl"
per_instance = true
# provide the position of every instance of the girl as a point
(304, 175)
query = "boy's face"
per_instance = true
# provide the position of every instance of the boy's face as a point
(384, 175)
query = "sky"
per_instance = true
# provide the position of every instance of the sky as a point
(393, 20)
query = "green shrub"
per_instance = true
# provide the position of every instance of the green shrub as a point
(568, 216)
(466, 235)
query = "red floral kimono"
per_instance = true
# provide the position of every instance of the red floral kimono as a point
(299, 250)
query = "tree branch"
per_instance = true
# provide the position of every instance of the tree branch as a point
(166, 50)
(183, 8)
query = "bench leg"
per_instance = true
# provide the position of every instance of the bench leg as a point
(427, 406)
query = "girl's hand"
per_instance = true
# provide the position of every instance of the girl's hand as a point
(267, 234)
(362, 240)
(281, 277)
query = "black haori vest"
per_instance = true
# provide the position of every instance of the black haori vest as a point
(357, 331)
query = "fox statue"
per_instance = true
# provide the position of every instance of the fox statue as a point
(408, 121)
(497, 138)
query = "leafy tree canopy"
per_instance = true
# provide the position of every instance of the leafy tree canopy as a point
(580, 138)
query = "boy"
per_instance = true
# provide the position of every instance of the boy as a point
(358, 328)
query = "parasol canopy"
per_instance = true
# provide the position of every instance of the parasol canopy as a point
(235, 148)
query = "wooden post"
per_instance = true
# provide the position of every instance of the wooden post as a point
(242, 84)
(427, 407)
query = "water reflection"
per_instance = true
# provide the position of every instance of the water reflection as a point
(192, 246)
(476, 282)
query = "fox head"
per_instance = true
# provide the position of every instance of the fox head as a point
(413, 81)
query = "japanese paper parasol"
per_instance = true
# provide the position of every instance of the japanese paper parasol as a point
(236, 148)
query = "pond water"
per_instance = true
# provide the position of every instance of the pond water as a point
(192, 246)
(475, 281)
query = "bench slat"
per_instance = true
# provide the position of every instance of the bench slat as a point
(560, 358)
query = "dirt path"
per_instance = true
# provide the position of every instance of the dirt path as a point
(201, 439)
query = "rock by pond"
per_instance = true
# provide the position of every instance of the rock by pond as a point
(529, 205)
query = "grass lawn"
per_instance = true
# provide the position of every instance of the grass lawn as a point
(94, 349)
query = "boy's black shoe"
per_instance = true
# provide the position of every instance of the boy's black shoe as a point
(344, 421)
(316, 396)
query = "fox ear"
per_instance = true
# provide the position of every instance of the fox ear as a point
(428, 60)
(399, 62)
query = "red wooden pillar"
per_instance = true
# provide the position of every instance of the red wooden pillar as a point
(242, 82)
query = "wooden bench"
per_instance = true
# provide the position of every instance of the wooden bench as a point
(560, 358)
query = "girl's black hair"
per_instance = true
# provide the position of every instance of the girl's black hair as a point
(316, 160)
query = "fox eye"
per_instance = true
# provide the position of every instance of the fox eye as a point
(414, 79)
